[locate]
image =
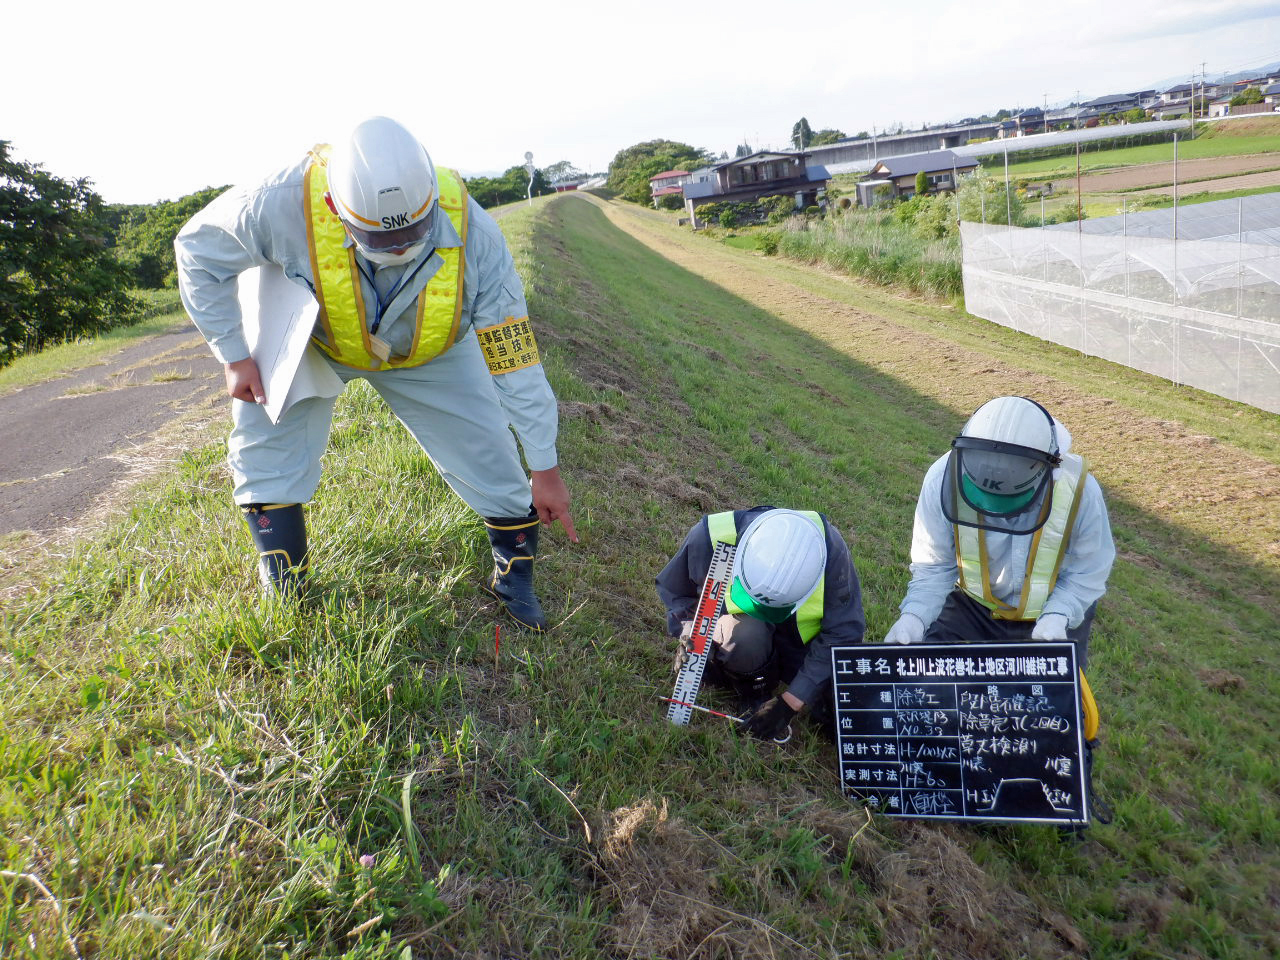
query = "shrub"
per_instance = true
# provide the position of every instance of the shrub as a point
(767, 242)
(777, 208)
(878, 247)
(708, 212)
(672, 201)
(844, 203)
(983, 200)
(922, 183)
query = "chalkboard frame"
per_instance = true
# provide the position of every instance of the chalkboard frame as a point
(1007, 667)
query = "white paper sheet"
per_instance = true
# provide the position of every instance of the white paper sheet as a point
(278, 317)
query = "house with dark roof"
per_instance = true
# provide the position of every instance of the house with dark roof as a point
(1171, 109)
(765, 173)
(1114, 103)
(898, 175)
(1029, 121)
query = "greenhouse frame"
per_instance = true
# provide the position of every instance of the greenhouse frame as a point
(1191, 294)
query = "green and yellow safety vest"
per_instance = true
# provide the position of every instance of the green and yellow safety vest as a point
(337, 278)
(1044, 558)
(809, 616)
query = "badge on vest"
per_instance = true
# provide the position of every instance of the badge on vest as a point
(509, 345)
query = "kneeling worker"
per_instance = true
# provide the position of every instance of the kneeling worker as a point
(794, 595)
(1011, 538)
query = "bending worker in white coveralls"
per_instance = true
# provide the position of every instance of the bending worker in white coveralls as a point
(793, 595)
(418, 295)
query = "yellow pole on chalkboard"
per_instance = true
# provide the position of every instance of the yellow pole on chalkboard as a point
(1090, 709)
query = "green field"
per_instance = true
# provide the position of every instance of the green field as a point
(1093, 159)
(189, 772)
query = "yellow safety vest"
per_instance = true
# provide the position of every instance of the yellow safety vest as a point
(337, 278)
(809, 616)
(1044, 558)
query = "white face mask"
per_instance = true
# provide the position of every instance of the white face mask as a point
(386, 259)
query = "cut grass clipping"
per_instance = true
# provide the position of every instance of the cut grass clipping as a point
(187, 771)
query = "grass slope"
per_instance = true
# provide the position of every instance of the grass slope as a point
(187, 773)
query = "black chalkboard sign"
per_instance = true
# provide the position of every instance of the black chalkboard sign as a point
(962, 731)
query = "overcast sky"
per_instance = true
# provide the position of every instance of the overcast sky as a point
(155, 100)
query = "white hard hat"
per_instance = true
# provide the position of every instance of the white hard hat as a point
(780, 561)
(383, 185)
(1004, 452)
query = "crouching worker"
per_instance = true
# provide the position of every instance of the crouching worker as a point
(793, 596)
(1011, 541)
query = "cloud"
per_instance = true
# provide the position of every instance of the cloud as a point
(1181, 19)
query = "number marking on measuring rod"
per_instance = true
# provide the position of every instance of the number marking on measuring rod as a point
(689, 679)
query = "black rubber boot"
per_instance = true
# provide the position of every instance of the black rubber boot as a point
(515, 544)
(280, 534)
(756, 687)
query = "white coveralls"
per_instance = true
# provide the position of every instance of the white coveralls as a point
(455, 408)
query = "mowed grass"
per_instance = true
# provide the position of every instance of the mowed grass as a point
(186, 771)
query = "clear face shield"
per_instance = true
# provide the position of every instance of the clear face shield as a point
(391, 241)
(1009, 486)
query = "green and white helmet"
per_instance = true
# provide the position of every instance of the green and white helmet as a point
(780, 561)
(1004, 457)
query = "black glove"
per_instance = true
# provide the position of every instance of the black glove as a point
(770, 720)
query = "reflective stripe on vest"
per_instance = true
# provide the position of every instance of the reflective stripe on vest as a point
(809, 616)
(1044, 557)
(337, 278)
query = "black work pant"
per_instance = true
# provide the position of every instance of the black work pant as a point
(965, 620)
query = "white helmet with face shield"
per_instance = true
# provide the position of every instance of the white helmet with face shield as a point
(1002, 462)
(382, 185)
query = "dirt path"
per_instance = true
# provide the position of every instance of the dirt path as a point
(73, 438)
(76, 438)
(1158, 174)
(1270, 178)
(1193, 481)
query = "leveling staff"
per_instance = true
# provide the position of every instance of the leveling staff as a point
(419, 296)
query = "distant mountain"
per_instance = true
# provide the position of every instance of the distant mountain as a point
(1269, 68)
